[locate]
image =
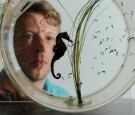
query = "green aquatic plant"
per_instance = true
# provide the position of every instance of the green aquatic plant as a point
(80, 29)
(81, 21)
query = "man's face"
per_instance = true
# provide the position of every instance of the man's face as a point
(34, 40)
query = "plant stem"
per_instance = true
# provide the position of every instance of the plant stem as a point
(83, 17)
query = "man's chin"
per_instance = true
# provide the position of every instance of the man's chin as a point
(35, 78)
(36, 75)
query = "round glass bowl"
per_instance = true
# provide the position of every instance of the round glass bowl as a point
(107, 62)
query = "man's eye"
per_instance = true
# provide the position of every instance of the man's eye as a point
(28, 37)
(50, 38)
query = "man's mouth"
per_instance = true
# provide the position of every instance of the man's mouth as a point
(41, 63)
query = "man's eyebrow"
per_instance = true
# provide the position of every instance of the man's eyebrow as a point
(23, 30)
(50, 33)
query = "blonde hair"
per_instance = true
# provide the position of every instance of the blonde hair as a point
(44, 7)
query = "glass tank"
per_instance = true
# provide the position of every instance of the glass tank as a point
(96, 65)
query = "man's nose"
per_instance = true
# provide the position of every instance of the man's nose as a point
(40, 45)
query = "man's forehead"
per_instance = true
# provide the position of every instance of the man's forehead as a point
(26, 20)
(32, 19)
(34, 22)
